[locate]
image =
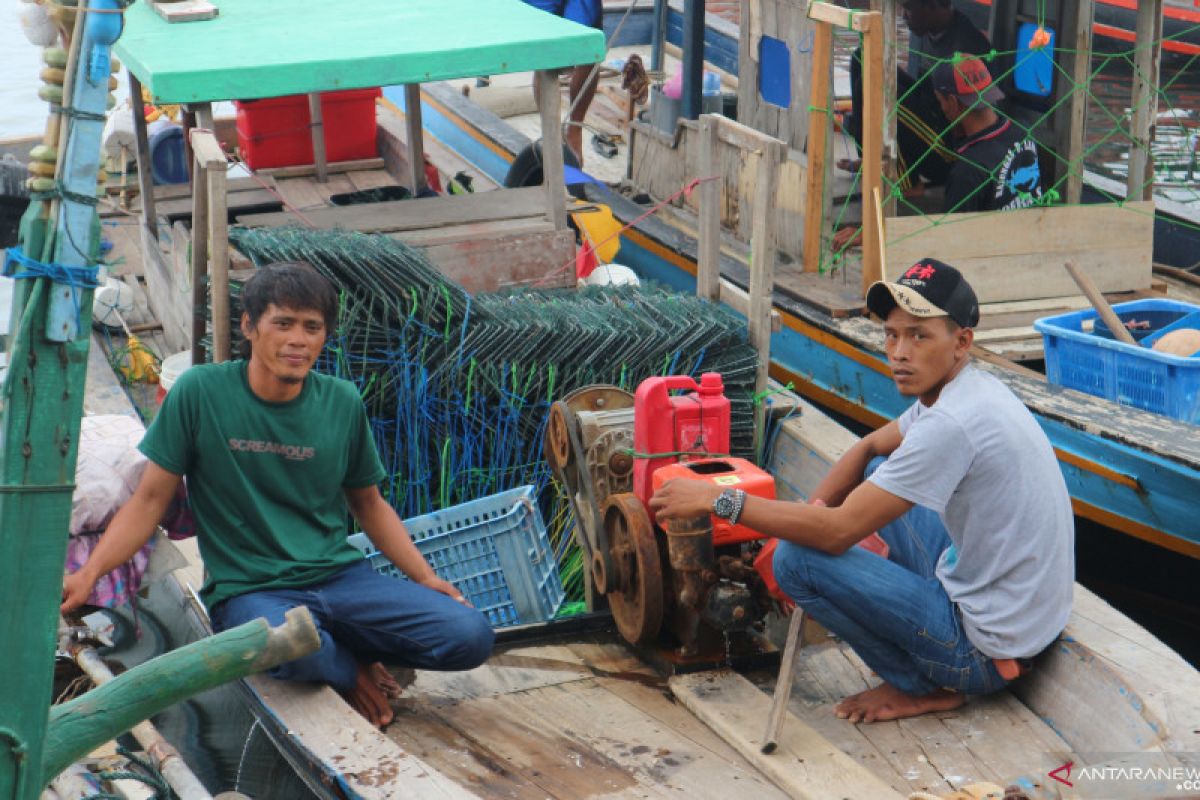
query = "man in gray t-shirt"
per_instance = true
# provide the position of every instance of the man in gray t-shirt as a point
(964, 488)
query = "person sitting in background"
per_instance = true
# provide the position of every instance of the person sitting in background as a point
(997, 167)
(584, 76)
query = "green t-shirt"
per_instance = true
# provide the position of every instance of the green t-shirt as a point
(265, 479)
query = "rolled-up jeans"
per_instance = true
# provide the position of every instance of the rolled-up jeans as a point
(893, 612)
(363, 617)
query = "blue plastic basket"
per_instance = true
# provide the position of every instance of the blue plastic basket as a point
(495, 550)
(1134, 376)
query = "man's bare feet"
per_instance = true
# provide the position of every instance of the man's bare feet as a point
(385, 681)
(886, 702)
(368, 699)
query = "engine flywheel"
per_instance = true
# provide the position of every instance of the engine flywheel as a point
(636, 598)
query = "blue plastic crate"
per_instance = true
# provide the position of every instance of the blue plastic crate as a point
(1131, 375)
(495, 550)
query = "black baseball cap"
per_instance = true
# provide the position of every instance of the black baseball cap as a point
(929, 288)
(967, 78)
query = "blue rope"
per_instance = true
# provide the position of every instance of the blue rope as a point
(75, 277)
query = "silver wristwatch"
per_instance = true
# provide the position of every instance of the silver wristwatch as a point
(729, 505)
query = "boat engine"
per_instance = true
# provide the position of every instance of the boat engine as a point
(694, 581)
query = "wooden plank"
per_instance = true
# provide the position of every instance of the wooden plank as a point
(842, 17)
(218, 225)
(872, 151)
(426, 212)
(370, 179)
(414, 137)
(320, 722)
(890, 45)
(708, 267)
(762, 264)
(516, 669)
(820, 126)
(308, 170)
(1010, 255)
(175, 191)
(544, 259)
(317, 135)
(145, 178)
(185, 10)
(994, 335)
(1139, 183)
(206, 150)
(1076, 117)
(169, 296)
(251, 201)
(199, 272)
(805, 764)
(552, 141)
(1048, 304)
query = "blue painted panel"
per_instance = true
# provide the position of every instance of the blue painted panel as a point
(720, 51)
(775, 72)
(1034, 73)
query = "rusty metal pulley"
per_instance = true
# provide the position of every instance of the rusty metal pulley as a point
(636, 593)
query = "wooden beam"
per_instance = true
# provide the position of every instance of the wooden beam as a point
(1015, 255)
(206, 150)
(1081, 70)
(145, 178)
(317, 131)
(887, 10)
(552, 146)
(1147, 64)
(762, 264)
(708, 267)
(872, 140)
(304, 170)
(805, 765)
(842, 17)
(199, 261)
(414, 135)
(820, 127)
(218, 222)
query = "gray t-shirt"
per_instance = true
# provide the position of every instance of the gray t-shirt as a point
(978, 458)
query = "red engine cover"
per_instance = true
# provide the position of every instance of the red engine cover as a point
(733, 473)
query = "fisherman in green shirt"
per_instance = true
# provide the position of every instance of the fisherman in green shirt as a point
(274, 455)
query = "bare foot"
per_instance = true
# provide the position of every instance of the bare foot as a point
(368, 699)
(886, 702)
(385, 681)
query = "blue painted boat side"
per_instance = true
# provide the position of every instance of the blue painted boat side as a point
(450, 131)
(720, 47)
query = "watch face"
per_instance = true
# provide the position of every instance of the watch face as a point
(723, 505)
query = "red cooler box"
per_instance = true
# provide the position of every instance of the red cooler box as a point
(274, 132)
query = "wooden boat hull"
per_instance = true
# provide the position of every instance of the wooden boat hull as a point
(1135, 472)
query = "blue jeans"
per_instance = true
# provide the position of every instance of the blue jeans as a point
(894, 612)
(362, 616)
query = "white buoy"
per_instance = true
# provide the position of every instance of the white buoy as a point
(39, 29)
(612, 275)
(111, 302)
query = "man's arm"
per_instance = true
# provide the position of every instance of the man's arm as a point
(129, 530)
(830, 530)
(383, 527)
(847, 473)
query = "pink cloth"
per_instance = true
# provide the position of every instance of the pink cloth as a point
(117, 587)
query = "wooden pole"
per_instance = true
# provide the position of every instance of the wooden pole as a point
(415, 133)
(708, 267)
(1081, 70)
(1147, 63)
(552, 146)
(317, 121)
(79, 726)
(820, 126)
(762, 268)
(887, 9)
(1093, 294)
(199, 258)
(142, 153)
(783, 684)
(872, 135)
(210, 222)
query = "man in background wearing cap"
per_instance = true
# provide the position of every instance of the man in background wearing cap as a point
(965, 489)
(938, 31)
(997, 167)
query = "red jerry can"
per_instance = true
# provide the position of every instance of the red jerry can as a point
(669, 426)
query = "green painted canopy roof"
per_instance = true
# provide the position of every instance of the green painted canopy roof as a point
(269, 48)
